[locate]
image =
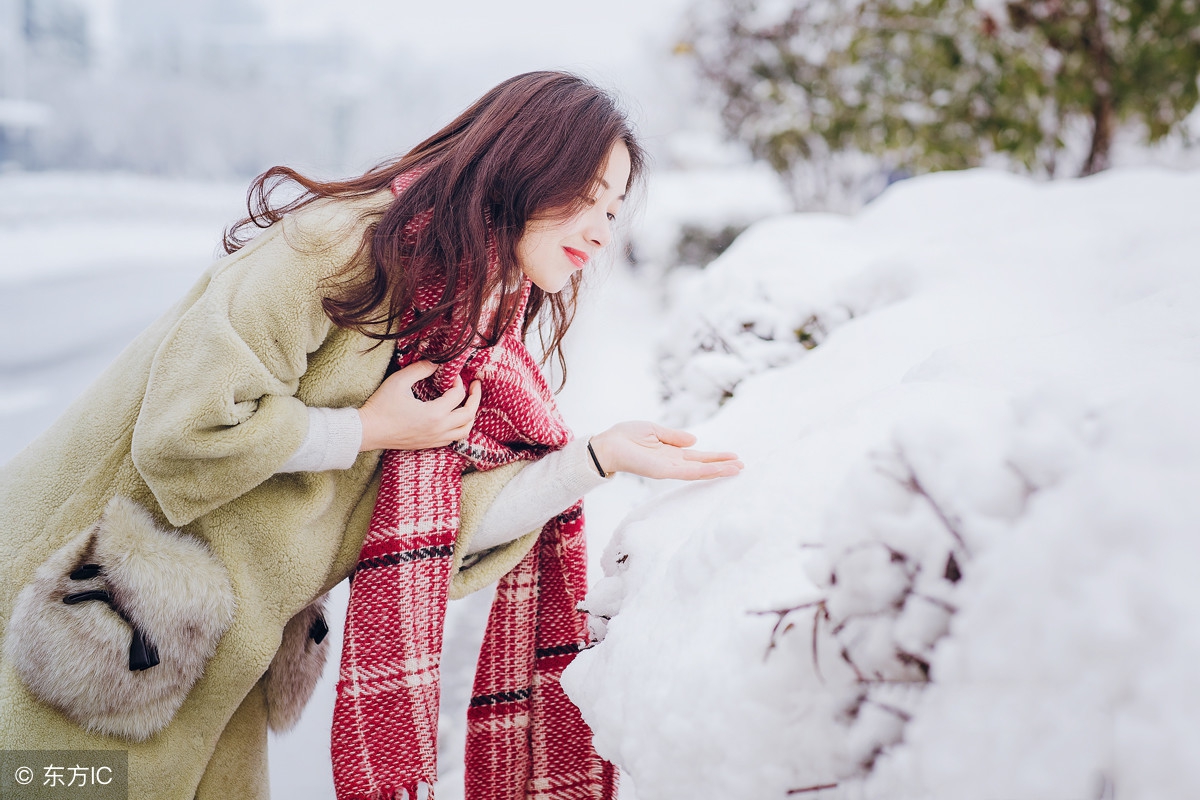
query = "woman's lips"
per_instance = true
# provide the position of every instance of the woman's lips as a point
(578, 257)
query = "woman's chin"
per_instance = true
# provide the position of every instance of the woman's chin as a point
(552, 287)
(550, 281)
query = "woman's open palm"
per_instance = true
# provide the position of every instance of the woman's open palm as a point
(655, 451)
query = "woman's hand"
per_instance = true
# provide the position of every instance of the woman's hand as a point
(654, 451)
(394, 419)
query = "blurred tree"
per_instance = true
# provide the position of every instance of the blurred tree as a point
(922, 85)
(56, 29)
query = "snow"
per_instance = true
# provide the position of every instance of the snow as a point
(1004, 378)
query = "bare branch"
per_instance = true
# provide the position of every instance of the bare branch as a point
(782, 614)
(914, 485)
(812, 788)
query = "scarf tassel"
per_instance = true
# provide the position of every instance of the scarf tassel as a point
(392, 793)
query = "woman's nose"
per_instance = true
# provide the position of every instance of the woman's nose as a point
(599, 230)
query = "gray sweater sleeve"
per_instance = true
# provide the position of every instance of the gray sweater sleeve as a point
(542, 490)
(332, 442)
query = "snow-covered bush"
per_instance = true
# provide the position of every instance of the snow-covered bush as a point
(960, 561)
(760, 307)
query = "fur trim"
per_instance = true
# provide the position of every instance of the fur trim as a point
(297, 666)
(73, 627)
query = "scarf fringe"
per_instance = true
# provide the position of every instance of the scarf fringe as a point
(391, 793)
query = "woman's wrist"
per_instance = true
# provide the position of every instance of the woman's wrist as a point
(368, 442)
(601, 456)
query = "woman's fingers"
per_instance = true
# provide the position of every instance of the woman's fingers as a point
(473, 398)
(451, 398)
(698, 472)
(463, 418)
(666, 461)
(674, 436)
(707, 456)
(711, 468)
(417, 371)
(465, 414)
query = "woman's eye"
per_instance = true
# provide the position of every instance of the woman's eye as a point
(612, 217)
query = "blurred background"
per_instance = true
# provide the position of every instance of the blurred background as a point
(225, 88)
(129, 130)
(838, 97)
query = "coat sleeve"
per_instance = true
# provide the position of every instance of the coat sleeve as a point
(479, 491)
(220, 414)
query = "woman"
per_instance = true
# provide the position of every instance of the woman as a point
(166, 544)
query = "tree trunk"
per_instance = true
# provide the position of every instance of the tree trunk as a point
(1095, 40)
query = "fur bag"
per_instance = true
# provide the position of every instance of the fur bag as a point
(297, 666)
(117, 625)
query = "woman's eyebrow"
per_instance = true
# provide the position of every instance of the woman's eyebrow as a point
(604, 183)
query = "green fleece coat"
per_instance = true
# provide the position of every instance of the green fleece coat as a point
(153, 505)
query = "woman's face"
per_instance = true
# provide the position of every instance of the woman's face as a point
(551, 250)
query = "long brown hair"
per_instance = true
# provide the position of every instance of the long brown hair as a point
(533, 147)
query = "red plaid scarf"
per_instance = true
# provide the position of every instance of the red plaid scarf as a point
(525, 739)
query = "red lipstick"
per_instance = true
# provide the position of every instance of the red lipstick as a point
(578, 257)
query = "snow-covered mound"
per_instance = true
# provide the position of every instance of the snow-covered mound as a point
(961, 560)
